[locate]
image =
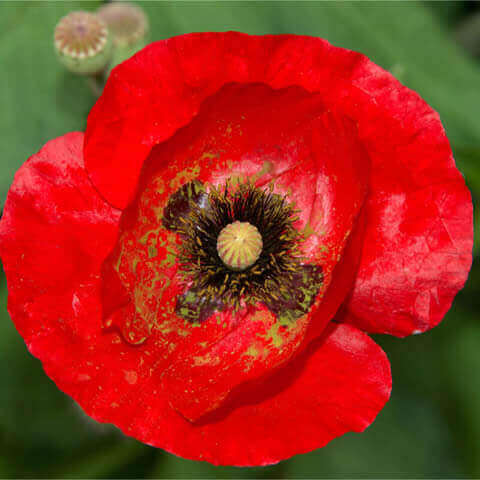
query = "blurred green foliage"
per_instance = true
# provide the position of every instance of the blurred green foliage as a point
(431, 426)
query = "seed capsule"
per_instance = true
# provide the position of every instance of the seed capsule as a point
(83, 43)
(127, 23)
(239, 245)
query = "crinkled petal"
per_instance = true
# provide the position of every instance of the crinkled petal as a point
(148, 98)
(279, 138)
(406, 281)
(418, 243)
(337, 385)
(54, 235)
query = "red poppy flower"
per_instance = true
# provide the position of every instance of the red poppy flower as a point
(204, 273)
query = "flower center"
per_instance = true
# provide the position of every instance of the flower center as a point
(239, 245)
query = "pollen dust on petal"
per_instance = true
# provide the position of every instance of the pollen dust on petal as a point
(130, 376)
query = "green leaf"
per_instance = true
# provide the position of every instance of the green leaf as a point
(468, 34)
(468, 161)
(448, 11)
(464, 382)
(409, 439)
(39, 99)
(170, 466)
(107, 461)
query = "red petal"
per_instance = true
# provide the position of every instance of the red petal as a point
(338, 385)
(257, 345)
(148, 98)
(416, 257)
(269, 136)
(418, 244)
(54, 234)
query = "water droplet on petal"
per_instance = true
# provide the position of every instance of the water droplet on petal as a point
(133, 328)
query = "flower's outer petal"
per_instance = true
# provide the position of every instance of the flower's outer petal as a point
(416, 256)
(54, 234)
(148, 98)
(418, 244)
(338, 385)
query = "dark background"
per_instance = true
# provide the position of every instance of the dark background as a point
(431, 425)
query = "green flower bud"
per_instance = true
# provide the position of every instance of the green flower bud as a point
(128, 25)
(83, 43)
